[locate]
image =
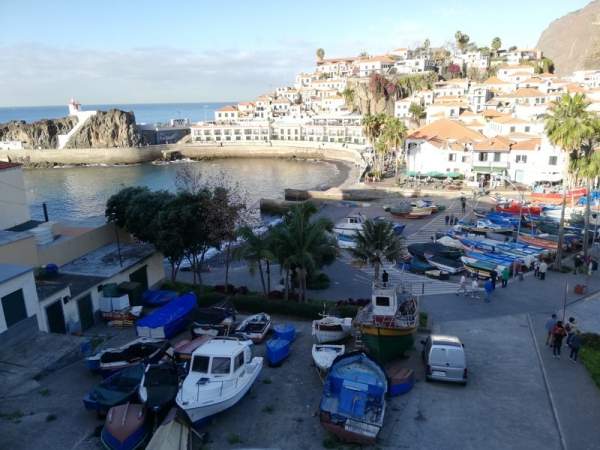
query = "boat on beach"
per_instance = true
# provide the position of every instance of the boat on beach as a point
(349, 225)
(220, 374)
(159, 386)
(215, 320)
(331, 329)
(255, 327)
(125, 427)
(388, 324)
(483, 226)
(324, 354)
(353, 402)
(182, 352)
(168, 320)
(555, 198)
(479, 268)
(141, 350)
(119, 388)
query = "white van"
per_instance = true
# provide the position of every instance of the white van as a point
(444, 358)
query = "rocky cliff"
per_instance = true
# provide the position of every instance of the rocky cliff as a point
(573, 41)
(365, 102)
(112, 128)
(40, 134)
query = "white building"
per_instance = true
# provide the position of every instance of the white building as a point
(473, 60)
(515, 74)
(375, 64)
(13, 200)
(18, 297)
(336, 67)
(515, 57)
(535, 160)
(227, 113)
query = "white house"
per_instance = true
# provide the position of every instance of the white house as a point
(515, 74)
(13, 200)
(336, 67)
(262, 108)
(18, 296)
(475, 59)
(245, 109)
(515, 57)
(280, 106)
(535, 160)
(497, 85)
(402, 107)
(227, 113)
(590, 78)
(506, 125)
(478, 96)
(402, 53)
(374, 64)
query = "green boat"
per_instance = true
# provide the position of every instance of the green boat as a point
(388, 324)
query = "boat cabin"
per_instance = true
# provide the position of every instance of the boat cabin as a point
(384, 300)
(220, 358)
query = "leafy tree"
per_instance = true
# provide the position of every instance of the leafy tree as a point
(394, 133)
(320, 54)
(417, 112)
(462, 40)
(568, 126)
(426, 44)
(255, 250)
(118, 204)
(454, 70)
(303, 244)
(496, 44)
(363, 54)
(377, 243)
(512, 48)
(349, 95)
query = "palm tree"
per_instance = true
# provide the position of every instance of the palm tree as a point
(320, 54)
(348, 95)
(376, 243)
(303, 244)
(417, 112)
(568, 126)
(394, 133)
(496, 45)
(255, 251)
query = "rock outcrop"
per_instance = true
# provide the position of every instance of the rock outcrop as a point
(573, 41)
(40, 134)
(112, 128)
(366, 103)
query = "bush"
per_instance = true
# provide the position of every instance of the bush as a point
(321, 281)
(591, 360)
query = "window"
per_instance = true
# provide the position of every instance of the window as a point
(464, 159)
(220, 366)
(200, 364)
(521, 158)
(451, 156)
(527, 129)
(483, 156)
(553, 160)
(239, 361)
(382, 301)
(512, 129)
(497, 157)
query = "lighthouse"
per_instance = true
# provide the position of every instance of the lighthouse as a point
(74, 107)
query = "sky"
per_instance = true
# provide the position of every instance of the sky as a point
(150, 51)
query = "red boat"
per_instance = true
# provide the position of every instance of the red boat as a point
(555, 198)
(515, 208)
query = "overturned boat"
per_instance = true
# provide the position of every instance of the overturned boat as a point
(324, 354)
(331, 329)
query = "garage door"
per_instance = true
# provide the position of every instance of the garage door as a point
(140, 276)
(56, 318)
(14, 308)
(86, 312)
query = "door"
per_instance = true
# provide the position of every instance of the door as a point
(56, 318)
(86, 312)
(140, 276)
(14, 308)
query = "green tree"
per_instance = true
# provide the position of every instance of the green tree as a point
(462, 40)
(256, 250)
(349, 95)
(496, 45)
(417, 112)
(377, 243)
(118, 204)
(320, 54)
(568, 126)
(394, 133)
(426, 44)
(303, 244)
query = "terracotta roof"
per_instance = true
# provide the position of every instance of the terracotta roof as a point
(490, 113)
(495, 144)
(495, 80)
(519, 66)
(529, 144)
(509, 120)
(228, 108)
(574, 88)
(336, 60)
(245, 104)
(445, 130)
(379, 58)
(527, 92)
(8, 165)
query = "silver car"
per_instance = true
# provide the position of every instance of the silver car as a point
(444, 358)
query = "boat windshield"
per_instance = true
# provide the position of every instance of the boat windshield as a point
(220, 366)
(200, 364)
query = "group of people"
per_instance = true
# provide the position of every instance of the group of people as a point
(539, 269)
(557, 331)
(451, 219)
(489, 286)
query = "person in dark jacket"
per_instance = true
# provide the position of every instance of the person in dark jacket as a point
(488, 290)
(558, 333)
(385, 277)
(575, 345)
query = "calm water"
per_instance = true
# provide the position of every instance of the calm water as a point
(79, 193)
(144, 113)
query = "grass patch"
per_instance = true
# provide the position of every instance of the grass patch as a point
(590, 355)
(14, 416)
(50, 417)
(267, 381)
(44, 392)
(423, 319)
(234, 438)
(268, 409)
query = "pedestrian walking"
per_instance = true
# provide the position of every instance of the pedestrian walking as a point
(505, 276)
(543, 270)
(536, 268)
(451, 219)
(462, 285)
(550, 324)
(577, 263)
(447, 219)
(558, 333)
(463, 204)
(488, 290)
(455, 220)
(571, 329)
(475, 288)
(575, 345)
(385, 278)
(493, 278)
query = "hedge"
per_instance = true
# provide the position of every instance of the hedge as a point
(590, 355)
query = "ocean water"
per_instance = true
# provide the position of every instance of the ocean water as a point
(80, 193)
(144, 112)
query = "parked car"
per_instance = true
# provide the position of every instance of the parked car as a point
(444, 358)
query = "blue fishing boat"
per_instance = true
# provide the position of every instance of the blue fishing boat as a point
(479, 268)
(125, 428)
(353, 402)
(158, 297)
(168, 320)
(285, 331)
(117, 389)
(277, 351)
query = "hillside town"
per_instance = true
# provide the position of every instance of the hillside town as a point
(475, 112)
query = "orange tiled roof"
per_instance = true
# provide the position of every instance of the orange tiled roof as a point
(446, 130)
(529, 144)
(495, 80)
(227, 108)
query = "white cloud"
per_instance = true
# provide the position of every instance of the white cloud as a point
(33, 74)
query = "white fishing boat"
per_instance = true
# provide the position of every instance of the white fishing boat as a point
(350, 225)
(324, 355)
(221, 373)
(255, 327)
(331, 329)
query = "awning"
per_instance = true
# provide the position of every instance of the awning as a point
(488, 169)
(454, 174)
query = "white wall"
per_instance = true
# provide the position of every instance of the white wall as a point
(25, 282)
(13, 201)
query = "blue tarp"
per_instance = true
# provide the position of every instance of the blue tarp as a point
(171, 318)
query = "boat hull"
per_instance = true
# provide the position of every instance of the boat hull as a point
(343, 434)
(385, 344)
